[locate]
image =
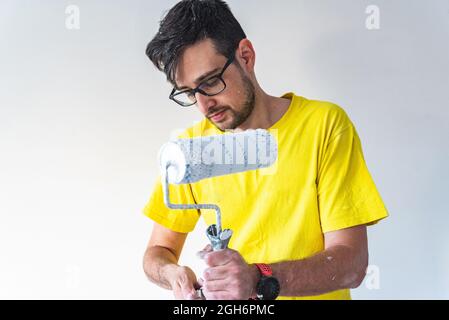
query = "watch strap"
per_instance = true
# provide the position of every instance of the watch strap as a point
(265, 269)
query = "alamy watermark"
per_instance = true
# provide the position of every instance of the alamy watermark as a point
(372, 21)
(73, 277)
(372, 278)
(72, 20)
(243, 148)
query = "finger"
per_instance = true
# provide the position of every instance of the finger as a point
(218, 258)
(215, 273)
(178, 294)
(203, 252)
(188, 290)
(216, 285)
(195, 296)
(216, 295)
(192, 295)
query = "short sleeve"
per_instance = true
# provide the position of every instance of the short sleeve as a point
(347, 195)
(183, 221)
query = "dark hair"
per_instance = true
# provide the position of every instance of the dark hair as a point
(188, 22)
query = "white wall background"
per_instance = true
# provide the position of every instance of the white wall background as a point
(83, 114)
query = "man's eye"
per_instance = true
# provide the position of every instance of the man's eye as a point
(211, 82)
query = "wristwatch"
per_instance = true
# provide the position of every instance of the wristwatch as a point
(268, 286)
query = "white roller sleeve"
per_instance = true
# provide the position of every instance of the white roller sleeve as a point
(191, 160)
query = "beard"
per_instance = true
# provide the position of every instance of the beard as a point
(245, 110)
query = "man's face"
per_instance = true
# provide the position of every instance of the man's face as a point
(230, 108)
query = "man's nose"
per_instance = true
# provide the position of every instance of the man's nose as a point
(204, 103)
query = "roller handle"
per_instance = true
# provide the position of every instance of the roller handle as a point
(218, 242)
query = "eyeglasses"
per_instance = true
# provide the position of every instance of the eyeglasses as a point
(210, 87)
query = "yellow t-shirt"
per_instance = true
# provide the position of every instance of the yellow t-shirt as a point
(319, 183)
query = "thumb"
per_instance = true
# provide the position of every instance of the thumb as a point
(188, 291)
(202, 253)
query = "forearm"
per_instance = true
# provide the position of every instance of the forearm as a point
(335, 268)
(160, 266)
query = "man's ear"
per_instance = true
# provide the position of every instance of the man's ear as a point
(246, 55)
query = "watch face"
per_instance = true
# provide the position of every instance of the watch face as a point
(268, 288)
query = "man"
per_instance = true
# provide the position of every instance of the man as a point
(299, 232)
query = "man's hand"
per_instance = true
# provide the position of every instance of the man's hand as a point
(184, 284)
(228, 277)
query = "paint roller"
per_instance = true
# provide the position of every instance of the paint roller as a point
(185, 161)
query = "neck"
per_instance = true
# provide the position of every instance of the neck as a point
(267, 111)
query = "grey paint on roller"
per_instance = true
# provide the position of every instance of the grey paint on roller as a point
(192, 160)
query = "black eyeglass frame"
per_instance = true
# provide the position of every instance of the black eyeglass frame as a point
(173, 94)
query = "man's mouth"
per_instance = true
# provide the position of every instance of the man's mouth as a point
(216, 117)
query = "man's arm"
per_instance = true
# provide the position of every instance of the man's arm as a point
(160, 263)
(341, 265)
